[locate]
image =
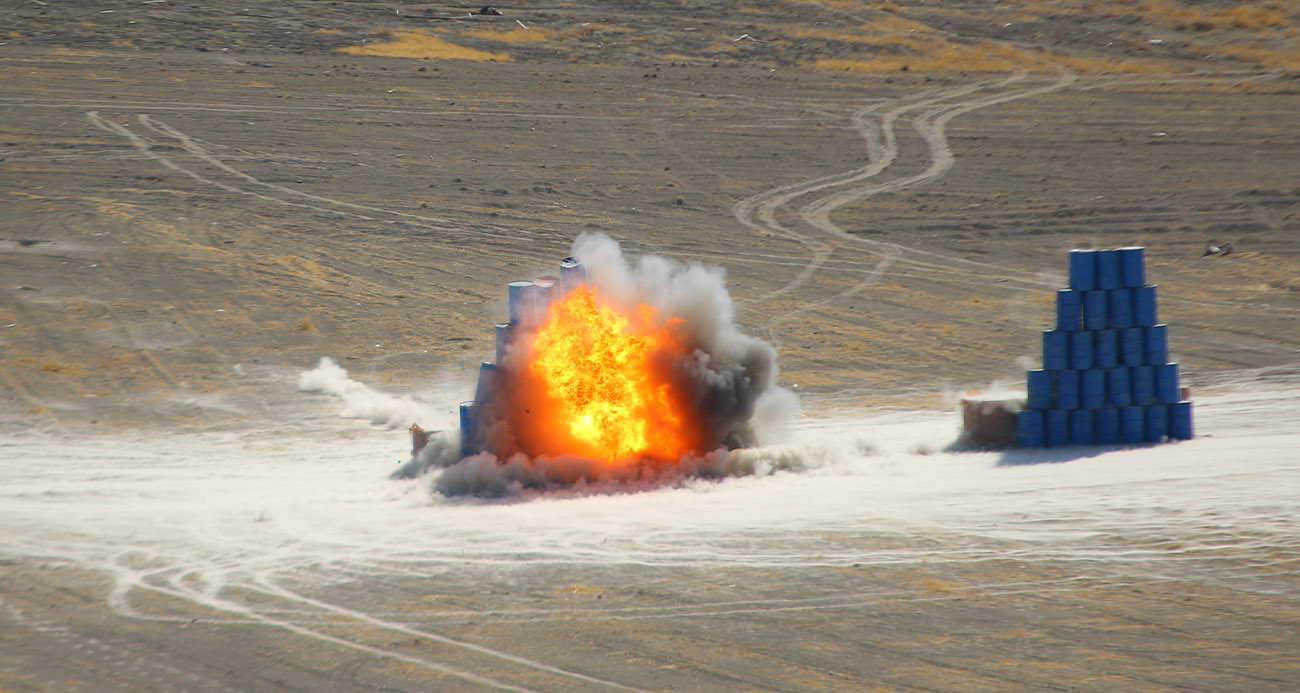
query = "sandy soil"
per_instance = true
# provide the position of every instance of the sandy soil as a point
(198, 202)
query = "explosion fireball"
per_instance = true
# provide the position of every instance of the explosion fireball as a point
(605, 384)
(615, 372)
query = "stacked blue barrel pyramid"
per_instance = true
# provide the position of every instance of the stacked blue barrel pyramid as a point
(1106, 375)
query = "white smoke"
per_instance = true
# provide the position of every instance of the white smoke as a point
(360, 401)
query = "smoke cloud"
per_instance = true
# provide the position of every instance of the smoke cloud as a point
(360, 401)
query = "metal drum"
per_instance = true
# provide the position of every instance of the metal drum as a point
(1119, 390)
(1029, 428)
(548, 292)
(1069, 309)
(1040, 389)
(1157, 344)
(469, 439)
(523, 303)
(1095, 304)
(1081, 432)
(1108, 275)
(1120, 307)
(1081, 357)
(1057, 428)
(1132, 346)
(487, 383)
(1092, 388)
(505, 336)
(1083, 270)
(1144, 306)
(1106, 350)
(1143, 381)
(1167, 383)
(1067, 389)
(1132, 266)
(1157, 423)
(572, 274)
(1132, 425)
(1056, 350)
(1106, 420)
(1180, 420)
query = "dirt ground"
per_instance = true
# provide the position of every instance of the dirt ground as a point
(199, 200)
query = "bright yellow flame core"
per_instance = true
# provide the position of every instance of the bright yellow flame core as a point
(607, 383)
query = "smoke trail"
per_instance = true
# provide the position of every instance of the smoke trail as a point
(360, 401)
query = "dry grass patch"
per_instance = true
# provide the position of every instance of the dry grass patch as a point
(1235, 17)
(1262, 55)
(516, 34)
(933, 55)
(420, 44)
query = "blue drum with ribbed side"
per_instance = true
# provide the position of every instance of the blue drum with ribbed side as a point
(1056, 350)
(469, 443)
(1119, 390)
(1106, 348)
(1040, 389)
(1132, 347)
(1057, 428)
(1167, 390)
(1067, 389)
(1081, 432)
(1119, 307)
(1029, 428)
(1132, 425)
(1157, 344)
(1081, 350)
(1092, 388)
(1094, 310)
(1069, 309)
(1142, 379)
(1157, 423)
(1083, 270)
(1108, 275)
(1180, 420)
(1106, 422)
(1144, 306)
(1132, 266)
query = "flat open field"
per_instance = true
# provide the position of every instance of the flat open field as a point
(198, 203)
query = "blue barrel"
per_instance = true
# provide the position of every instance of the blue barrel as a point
(1029, 428)
(1092, 388)
(1056, 350)
(1157, 423)
(1094, 310)
(1132, 425)
(1069, 309)
(1119, 389)
(1081, 432)
(1180, 420)
(1106, 423)
(1144, 306)
(1157, 339)
(1106, 349)
(469, 438)
(1132, 346)
(1120, 306)
(1132, 266)
(1143, 381)
(1040, 389)
(1108, 276)
(523, 303)
(1167, 383)
(505, 335)
(1057, 427)
(1067, 389)
(1083, 270)
(1081, 350)
(487, 382)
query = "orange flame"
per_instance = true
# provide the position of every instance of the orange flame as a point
(602, 385)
